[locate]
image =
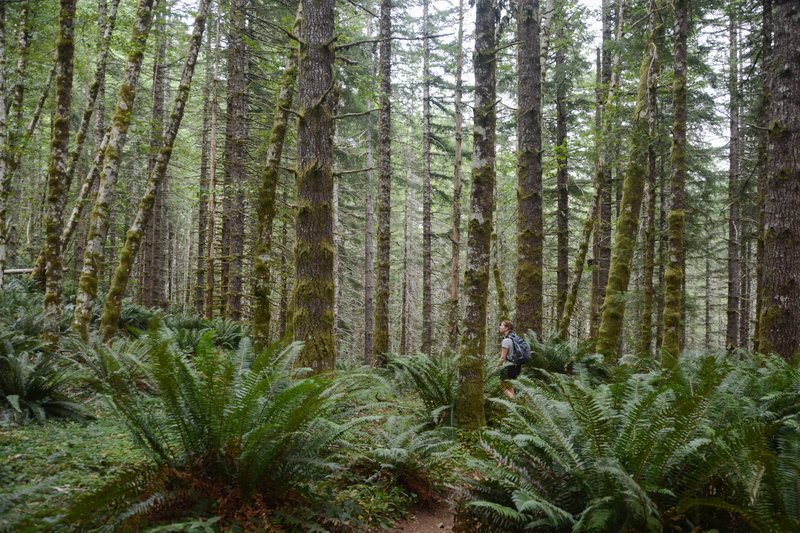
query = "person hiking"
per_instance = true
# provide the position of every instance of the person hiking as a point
(508, 370)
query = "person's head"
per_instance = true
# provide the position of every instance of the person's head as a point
(506, 327)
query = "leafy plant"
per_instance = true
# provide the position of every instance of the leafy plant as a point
(644, 453)
(224, 428)
(35, 381)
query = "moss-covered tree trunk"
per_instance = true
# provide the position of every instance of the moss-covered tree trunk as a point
(427, 304)
(317, 95)
(529, 171)
(235, 162)
(5, 182)
(369, 224)
(202, 193)
(763, 142)
(502, 303)
(133, 237)
(734, 226)
(404, 265)
(610, 330)
(469, 397)
(57, 172)
(780, 310)
(212, 180)
(650, 227)
(454, 314)
(89, 110)
(562, 178)
(673, 277)
(11, 133)
(384, 184)
(98, 223)
(265, 210)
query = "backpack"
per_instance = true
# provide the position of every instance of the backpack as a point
(522, 352)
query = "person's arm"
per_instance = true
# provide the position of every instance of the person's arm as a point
(503, 355)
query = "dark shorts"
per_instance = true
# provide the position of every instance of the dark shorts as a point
(510, 372)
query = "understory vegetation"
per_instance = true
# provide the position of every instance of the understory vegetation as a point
(180, 424)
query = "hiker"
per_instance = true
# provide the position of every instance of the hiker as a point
(508, 370)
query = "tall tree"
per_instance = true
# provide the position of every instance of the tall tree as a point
(384, 183)
(202, 196)
(610, 331)
(57, 173)
(426, 183)
(98, 223)
(369, 225)
(265, 211)
(212, 180)
(5, 182)
(734, 228)
(469, 397)
(119, 283)
(673, 277)
(317, 95)
(562, 176)
(456, 239)
(763, 142)
(529, 171)
(780, 310)
(235, 161)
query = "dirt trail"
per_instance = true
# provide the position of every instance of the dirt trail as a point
(438, 518)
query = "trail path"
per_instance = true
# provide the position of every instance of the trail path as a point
(438, 518)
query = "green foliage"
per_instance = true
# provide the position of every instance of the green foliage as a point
(644, 452)
(433, 380)
(238, 424)
(35, 381)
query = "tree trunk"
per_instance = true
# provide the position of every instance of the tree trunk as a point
(202, 195)
(607, 103)
(562, 179)
(469, 397)
(5, 181)
(154, 241)
(426, 184)
(674, 275)
(212, 181)
(265, 210)
(529, 171)
(369, 227)
(452, 341)
(99, 221)
(384, 185)
(57, 173)
(763, 141)
(113, 306)
(734, 229)
(96, 89)
(744, 313)
(317, 95)
(404, 287)
(780, 312)
(285, 295)
(627, 223)
(235, 160)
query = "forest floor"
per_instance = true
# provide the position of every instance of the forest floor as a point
(438, 518)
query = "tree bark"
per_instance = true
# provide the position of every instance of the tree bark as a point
(235, 160)
(529, 171)
(404, 284)
(212, 180)
(317, 95)
(763, 141)
(456, 242)
(780, 313)
(113, 306)
(469, 397)
(734, 229)
(610, 329)
(674, 275)
(202, 196)
(265, 210)
(57, 173)
(427, 305)
(562, 178)
(98, 223)
(5, 183)
(384, 185)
